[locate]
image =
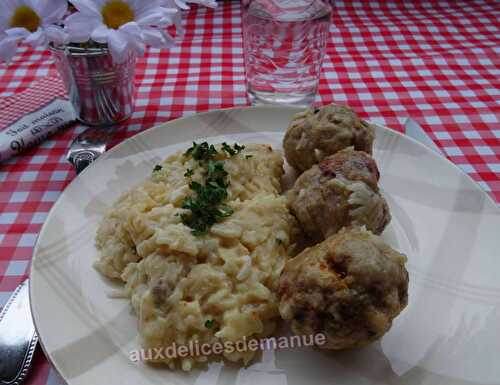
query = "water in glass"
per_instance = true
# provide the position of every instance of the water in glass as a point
(284, 44)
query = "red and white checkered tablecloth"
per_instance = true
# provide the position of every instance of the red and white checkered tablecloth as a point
(437, 62)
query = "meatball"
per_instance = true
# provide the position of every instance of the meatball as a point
(349, 287)
(318, 132)
(340, 191)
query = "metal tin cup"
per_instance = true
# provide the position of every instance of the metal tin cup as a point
(101, 91)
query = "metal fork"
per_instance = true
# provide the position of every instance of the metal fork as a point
(89, 145)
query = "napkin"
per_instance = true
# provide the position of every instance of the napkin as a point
(31, 116)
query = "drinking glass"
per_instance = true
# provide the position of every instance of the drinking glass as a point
(284, 46)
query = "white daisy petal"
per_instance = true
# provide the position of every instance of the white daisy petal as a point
(8, 46)
(100, 34)
(153, 37)
(30, 3)
(140, 6)
(37, 38)
(55, 34)
(13, 4)
(79, 27)
(5, 10)
(157, 38)
(118, 45)
(168, 4)
(206, 3)
(5, 15)
(181, 4)
(51, 11)
(157, 16)
(17, 33)
(134, 36)
(132, 28)
(87, 7)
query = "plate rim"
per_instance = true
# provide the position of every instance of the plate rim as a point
(426, 149)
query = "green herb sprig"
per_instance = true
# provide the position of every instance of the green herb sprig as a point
(209, 323)
(202, 151)
(232, 151)
(206, 207)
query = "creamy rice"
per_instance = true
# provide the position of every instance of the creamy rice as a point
(212, 288)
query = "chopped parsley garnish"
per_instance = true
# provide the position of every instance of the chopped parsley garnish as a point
(202, 151)
(209, 323)
(216, 173)
(189, 172)
(206, 206)
(232, 151)
(157, 168)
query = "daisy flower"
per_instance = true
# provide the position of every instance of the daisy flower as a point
(32, 21)
(122, 24)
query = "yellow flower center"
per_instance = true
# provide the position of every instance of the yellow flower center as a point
(116, 13)
(25, 17)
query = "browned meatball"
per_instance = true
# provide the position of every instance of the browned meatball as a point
(318, 132)
(340, 191)
(349, 287)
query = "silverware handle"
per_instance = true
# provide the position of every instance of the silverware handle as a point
(18, 337)
(83, 159)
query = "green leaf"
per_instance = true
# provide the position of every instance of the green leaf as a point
(227, 148)
(209, 323)
(238, 148)
(202, 151)
(232, 151)
(206, 204)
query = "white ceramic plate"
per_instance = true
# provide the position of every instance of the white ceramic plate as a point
(448, 227)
